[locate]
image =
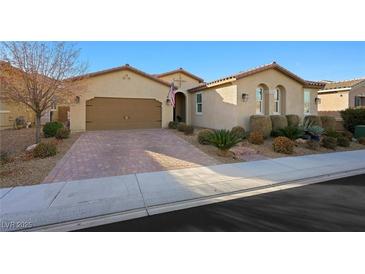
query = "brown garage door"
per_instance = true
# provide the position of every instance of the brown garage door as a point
(122, 113)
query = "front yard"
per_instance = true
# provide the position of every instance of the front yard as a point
(252, 152)
(23, 169)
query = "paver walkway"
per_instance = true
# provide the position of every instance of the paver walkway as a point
(142, 194)
(111, 153)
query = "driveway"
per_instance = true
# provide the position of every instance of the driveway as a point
(120, 152)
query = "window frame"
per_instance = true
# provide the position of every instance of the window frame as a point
(261, 112)
(198, 103)
(277, 100)
(309, 102)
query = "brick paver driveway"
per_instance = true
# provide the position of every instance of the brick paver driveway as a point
(120, 152)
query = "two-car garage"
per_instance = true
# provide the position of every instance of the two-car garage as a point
(121, 98)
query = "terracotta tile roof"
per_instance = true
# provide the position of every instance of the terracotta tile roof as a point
(252, 71)
(125, 67)
(343, 84)
(181, 70)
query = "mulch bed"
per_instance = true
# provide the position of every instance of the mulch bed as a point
(23, 169)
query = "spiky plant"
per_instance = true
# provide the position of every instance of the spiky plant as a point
(291, 132)
(223, 139)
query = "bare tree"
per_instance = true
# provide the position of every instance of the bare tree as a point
(37, 74)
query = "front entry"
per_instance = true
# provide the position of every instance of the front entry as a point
(122, 113)
(180, 107)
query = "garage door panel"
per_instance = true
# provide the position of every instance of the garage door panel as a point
(122, 113)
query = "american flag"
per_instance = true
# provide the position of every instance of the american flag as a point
(171, 95)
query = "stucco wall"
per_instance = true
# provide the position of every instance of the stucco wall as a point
(121, 84)
(334, 101)
(219, 108)
(356, 92)
(9, 111)
(186, 83)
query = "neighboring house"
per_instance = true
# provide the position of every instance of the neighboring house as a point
(10, 110)
(337, 96)
(127, 98)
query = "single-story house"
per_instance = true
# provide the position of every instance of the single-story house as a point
(337, 96)
(127, 98)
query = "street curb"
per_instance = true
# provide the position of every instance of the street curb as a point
(159, 209)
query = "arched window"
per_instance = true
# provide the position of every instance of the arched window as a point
(277, 98)
(259, 100)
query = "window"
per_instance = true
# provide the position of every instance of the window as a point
(277, 98)
(307, 102)
(259, 101)
(199, 103)
(359, 101)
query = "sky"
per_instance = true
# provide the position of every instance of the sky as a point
(212, 60)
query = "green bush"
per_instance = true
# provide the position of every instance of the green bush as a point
(313, 119)
(181, 126)
(50, 128)
(313, 145)
(353, 117)
(256, 137)
(275, 133)
(43, 150)
(329, 142)
(62, 133)
(293, 120)
(328, 123)
(173, 125)
(290, 132)
(223, 139)
(278, 122)
(239, 131)
(203, 136)
(343, 141)
(332, 133)
(261, 123)
(361, 140)
(283, 144)
(189, 130)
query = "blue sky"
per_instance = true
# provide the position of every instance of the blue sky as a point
(211, 60)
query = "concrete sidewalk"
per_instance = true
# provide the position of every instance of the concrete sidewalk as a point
(125, 197)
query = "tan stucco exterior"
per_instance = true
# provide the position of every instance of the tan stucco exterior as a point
(119, 84)
(223, 106)
(9, 111)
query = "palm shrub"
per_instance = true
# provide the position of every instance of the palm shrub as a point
(256, 138)
(283, 144)
(203, 136)
(223, 139)
(239, 131)
(329, 142)
(50, 128)
(291, 132)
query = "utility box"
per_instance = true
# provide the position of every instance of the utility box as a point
(359, 131)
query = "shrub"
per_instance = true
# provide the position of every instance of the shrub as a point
(313, 119)
(256, 137)
(361, 140)
(278, 122)
(223, 139)
(313, 145)
(181, 127)
(347, 134)
(203, 136)
(329, 142)
(275, 133)
(332, 133)
(352, 117)
(50, 128)
(4, 157)
(261, 123)
(328, 123)
(62, 133)
(290, 132)
(173, 125)
(343, 141)
(43, 150)
(283, 144)
(189, 130)
(293, 120)
(239, 131)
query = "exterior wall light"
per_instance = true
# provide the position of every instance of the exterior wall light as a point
(77, 99)
(168, 101)
(317, 100)
(244, 97)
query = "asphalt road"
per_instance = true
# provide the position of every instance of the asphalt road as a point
(337, 205)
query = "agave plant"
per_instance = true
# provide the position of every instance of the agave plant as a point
(223, 139)
(313, 130)
(291, 132)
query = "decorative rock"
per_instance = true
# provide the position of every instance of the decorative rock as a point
(301, 141)
(31, 148)
(246, 154)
